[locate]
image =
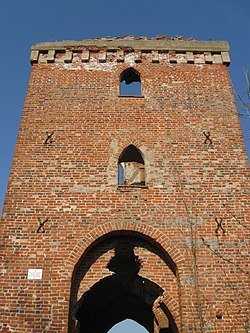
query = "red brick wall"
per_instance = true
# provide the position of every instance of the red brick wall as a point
(73, 183)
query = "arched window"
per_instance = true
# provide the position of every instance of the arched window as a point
(131, 169)
(130, 82)
(128, 325)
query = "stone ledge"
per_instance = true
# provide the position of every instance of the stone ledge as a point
(136, 44)
(154, 50)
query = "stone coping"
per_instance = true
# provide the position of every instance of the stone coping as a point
(155, 50)
(136, 44)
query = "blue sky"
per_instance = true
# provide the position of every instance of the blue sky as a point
(127, 326)
(26, 22)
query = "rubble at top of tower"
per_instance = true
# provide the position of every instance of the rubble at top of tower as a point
(131, 37)
(162, 43)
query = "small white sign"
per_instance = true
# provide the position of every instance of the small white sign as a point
(35, 274)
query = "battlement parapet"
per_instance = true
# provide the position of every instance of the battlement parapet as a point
(159, 49)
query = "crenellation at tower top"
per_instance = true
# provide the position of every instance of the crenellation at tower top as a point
(155, 49)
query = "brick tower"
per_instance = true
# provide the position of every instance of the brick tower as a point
(127, 203)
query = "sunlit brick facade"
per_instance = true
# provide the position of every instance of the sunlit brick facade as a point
(173, 227)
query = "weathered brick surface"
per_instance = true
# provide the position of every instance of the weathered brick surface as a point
(170, 221)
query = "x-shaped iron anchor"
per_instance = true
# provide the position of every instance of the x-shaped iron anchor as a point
(41, 229)
(218, 220)
(49, 139)
(208, 139)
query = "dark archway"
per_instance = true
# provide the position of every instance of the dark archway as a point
(123, 295)
(109, 307)
(131, 154)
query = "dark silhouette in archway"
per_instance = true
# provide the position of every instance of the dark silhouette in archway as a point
(123, 295)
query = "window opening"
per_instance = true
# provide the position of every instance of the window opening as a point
(128, 325)
(130, 83)
(131, 169)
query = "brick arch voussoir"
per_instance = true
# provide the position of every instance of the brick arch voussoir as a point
(141, 228)
(126, 141)
(172, 304)
(126, 66)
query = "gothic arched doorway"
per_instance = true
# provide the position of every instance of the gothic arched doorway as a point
(123, 293)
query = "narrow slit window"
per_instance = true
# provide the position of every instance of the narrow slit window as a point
(130, 83)
(131, 169)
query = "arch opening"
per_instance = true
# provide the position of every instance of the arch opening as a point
(123, 295)
(131, 170)
(130, 83)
